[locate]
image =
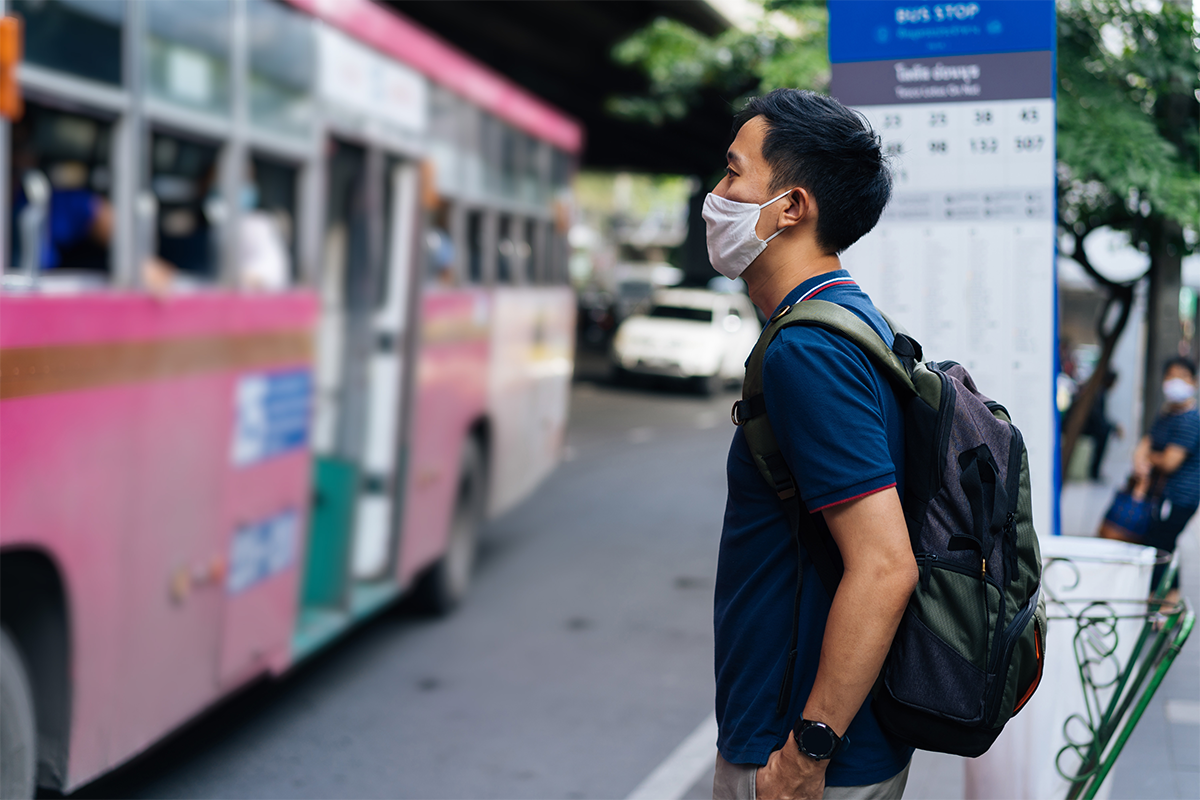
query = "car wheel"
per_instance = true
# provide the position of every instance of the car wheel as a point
(444, 586)
(18, 726)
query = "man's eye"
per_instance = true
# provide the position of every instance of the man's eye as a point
(729, 173)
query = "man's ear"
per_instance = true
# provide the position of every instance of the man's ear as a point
(799, 206)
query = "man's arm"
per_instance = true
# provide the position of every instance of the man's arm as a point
(880, 575)
(1168, 459)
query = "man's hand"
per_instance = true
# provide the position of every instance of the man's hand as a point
(790, 775)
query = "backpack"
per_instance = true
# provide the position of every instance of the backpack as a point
(969, 650)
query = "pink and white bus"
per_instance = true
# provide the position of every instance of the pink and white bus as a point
(284, 317)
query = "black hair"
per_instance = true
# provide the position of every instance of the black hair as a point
(815, 142)
(1181, 361)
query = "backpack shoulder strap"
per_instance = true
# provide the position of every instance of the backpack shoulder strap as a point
(751, 411)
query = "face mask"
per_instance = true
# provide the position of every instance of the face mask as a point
(1177, 390)
(732, 242)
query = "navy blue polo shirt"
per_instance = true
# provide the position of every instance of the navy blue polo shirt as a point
(1182, 429)
(840, 429)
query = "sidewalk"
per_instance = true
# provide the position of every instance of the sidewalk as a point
(1162, 758)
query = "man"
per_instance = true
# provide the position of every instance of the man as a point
(805, 180)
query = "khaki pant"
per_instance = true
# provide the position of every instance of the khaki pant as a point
(736, 782)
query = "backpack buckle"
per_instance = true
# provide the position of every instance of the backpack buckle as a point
(735, 414)
(781, 312)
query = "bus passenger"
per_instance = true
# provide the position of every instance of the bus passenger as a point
(262, 257)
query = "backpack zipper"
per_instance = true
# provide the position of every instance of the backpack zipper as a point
(1005, 644)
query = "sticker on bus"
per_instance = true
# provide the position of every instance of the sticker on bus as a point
(261, 550)
(272, 415)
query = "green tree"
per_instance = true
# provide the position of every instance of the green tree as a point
(787, 47)
(1128, 156)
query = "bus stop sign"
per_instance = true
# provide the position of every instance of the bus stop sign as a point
(962, 96)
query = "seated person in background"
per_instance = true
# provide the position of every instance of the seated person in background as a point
(1169, 457)
(262, 255)
(79, 227)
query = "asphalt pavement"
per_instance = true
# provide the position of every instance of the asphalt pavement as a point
(580, 665)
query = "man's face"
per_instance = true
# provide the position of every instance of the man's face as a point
(747, 175)
(1181, 372)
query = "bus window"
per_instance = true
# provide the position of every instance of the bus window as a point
(282, 59)
(510, 157)
(439, 247)
(527, 168)
(62, 217)
(533, 266)
(183, 179)
(446, 139)
(266, 240)
(475, 247)
(187, 53)
(506, 252)
(82, 37)
(491, 150)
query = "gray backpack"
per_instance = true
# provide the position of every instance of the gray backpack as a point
(969, 651)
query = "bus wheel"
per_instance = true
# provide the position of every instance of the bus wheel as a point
(18, 731)
(445, 585)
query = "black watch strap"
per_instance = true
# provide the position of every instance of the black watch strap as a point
(817, 740)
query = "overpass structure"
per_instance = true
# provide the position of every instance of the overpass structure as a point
(561, 51)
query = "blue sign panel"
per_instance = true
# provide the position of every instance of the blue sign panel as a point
(262, 550)
(272, 415)
(876, 30)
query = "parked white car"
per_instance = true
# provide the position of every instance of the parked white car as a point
(689, 333)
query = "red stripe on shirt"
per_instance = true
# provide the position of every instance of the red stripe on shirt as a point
(820, 289)
(856, 497)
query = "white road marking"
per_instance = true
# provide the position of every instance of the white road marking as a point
(1183, 712)
(694, 756)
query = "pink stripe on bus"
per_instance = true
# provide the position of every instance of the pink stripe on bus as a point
(407, 42)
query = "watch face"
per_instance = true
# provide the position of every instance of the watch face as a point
(817, 741)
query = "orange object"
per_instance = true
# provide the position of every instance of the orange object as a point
(12, 106)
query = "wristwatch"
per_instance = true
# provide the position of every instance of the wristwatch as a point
(817, 740)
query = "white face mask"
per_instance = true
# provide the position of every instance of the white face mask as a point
(1177, 390)
(732, 241)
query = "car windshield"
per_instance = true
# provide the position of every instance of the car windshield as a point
(682, 312)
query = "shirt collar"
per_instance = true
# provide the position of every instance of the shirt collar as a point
(794, 295)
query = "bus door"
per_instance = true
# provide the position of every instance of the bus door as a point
(376, 526)
(342, 339)
(365, 288)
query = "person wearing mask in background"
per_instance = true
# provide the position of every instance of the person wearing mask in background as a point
(262, 256)
(806, 179)
(1166, 463)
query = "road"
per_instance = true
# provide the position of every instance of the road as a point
(581, 659)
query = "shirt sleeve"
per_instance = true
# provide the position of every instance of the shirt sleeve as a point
(826, 408)
(1184, 431)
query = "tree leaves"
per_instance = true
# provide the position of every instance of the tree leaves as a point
(1124, 161)
(787, 47)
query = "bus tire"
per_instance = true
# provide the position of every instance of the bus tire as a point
(444, 586)
(18, 727)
